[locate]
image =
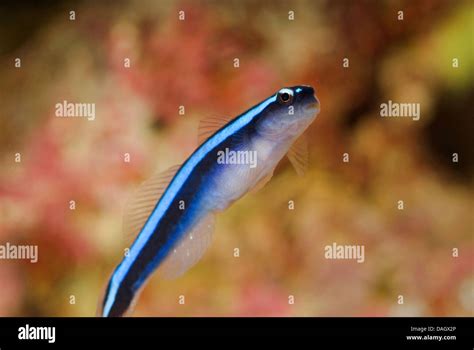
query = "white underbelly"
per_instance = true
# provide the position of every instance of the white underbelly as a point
(235, 180)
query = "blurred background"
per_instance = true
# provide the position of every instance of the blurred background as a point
(191, 63)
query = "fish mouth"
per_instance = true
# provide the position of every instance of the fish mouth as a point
(312, 107)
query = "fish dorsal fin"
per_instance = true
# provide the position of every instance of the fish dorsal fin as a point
(298, 155)
(140, 205)
(262, 182)
(189, 250)
(209, 126)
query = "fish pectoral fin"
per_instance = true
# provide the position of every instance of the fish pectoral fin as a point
(141, 204)
(209, 126)
(298, 155)
(189, 250)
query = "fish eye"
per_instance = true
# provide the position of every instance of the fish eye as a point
(285, 96)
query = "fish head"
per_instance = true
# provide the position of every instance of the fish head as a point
(290, 111)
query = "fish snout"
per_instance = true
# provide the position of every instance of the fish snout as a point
(311, 105)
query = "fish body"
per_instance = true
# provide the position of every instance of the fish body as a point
(178, 229)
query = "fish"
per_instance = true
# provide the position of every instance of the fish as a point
(173, 213)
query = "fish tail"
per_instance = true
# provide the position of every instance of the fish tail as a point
(118, 304)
